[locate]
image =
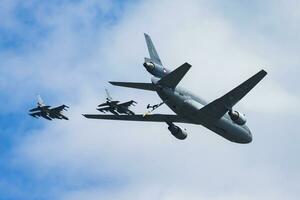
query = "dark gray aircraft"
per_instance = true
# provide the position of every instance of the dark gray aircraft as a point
(115, 107)
(218, 115)
(46, 112)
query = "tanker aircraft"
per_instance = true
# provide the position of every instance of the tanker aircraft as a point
(46, 112)
(115, 107)
(219, 115)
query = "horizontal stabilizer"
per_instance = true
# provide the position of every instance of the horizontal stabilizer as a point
(35, 109)
(147, 118)
(172, 79)
(37, 114)
(141, 86)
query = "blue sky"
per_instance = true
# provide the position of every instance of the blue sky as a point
(23, 38)
(68, 50)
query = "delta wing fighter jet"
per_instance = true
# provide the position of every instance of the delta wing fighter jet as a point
(219, 115)
(115, 107)
(46, 112)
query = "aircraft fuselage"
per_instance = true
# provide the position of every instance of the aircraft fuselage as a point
(186, 105)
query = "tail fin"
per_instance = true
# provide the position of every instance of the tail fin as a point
(172, 79)
(40, 101)
(152, 51)
(108, 97)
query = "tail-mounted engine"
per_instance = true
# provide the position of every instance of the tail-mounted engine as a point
(177, 131)
(155, 69)
(237, 117)
(149, 66)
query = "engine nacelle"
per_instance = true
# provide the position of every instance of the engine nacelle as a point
(177, 131)
(149, 66)
(155, 69)
(237, 118)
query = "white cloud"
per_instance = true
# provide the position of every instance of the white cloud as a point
(145, 158)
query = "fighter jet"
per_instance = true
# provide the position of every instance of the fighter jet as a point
(46, 112)
(115, 107)
(218, 116)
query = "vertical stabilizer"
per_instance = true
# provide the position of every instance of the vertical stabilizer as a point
(108, 97)
(40, 100)
(152, 51)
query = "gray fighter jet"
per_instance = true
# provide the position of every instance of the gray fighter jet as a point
(219, 115)
(47, 112)
(115, 107)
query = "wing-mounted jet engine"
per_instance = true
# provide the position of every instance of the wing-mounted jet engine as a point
(155, 69)
(176, 131)
(237, 117)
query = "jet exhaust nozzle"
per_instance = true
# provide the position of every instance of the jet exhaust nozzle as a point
(149, 66)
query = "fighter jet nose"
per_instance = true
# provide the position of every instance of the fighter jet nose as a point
(246, 136)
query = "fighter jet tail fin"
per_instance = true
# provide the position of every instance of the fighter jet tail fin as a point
(172, 79)
(108, 97)
(152, 51)
(40, 101)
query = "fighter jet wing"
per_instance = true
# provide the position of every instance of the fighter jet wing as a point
(59, 108)
(64, 117)
(219, 107)
(47, 117)
(127, 104)
(103, 104)
(108, 109)
(146, 118)
(40, 114)
(104, 109)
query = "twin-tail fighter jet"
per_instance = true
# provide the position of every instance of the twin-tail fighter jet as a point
(115, 107)
(218, 116)
(47, 112)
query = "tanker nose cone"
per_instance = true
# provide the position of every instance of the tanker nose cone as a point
(248, 136)
(245, 137)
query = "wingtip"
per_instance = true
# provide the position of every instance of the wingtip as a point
(89, 116)
(188, 64)
(264, 71)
